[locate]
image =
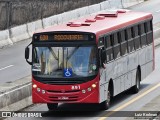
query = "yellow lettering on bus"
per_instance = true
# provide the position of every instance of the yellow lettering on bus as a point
(43, 37)
(68, 37)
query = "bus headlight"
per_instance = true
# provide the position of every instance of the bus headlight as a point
(34, 85)
(93, 85)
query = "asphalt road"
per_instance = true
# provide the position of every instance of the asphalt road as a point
(13, 65)
(151, 6)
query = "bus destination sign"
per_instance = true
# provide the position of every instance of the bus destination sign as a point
(63, 37)
(69, 37)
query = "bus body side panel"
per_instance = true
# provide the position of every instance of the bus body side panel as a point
(142, 57)
(103, 85)
(123, 70)
(146, 61)
(132, 67)
(116, 83)
(120, 69)
(149, 59)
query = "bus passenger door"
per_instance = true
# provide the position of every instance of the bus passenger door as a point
(103, 85)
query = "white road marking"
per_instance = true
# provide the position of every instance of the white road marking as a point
(6, 67)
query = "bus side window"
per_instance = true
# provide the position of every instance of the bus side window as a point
(109, 49)
(136, 37)
(102, 56)
(102, 49)
(101, 42)
(142, 35)
(123, 43)
(130, 40)
(149, 32)
(116, 45)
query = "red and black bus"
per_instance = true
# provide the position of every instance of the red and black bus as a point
(91, 59)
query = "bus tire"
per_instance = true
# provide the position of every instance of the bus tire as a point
(52, 106)
(106, 104)
(136, 87)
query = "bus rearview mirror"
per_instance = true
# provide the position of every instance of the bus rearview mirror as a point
(27, 53)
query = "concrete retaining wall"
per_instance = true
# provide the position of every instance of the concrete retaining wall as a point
(33, 26)
(26, 30)
(18, 12)
(5, 38)
(19, 33)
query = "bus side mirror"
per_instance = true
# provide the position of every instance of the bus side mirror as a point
(27, 50)
(27, 53)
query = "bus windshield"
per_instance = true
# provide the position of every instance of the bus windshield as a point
(58, 62)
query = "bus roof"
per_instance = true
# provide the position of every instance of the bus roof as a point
(100, 23)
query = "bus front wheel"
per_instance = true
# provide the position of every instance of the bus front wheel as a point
(52, 106)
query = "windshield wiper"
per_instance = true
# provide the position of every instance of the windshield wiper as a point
(54, 55)
(68, 57)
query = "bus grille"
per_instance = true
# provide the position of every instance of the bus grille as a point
(62, 82)
(71, 98)
(58, 91)
(59, 96)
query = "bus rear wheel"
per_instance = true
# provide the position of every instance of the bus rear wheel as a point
(136, 87)
(106, 104)
(52, 106)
